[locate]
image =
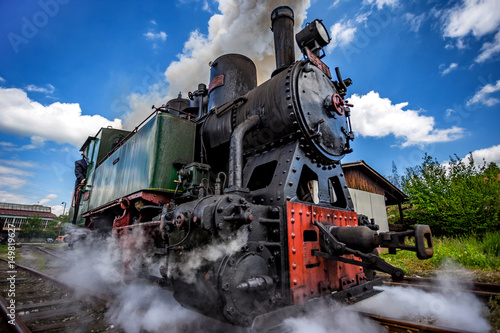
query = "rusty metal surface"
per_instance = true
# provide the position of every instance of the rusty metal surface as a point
(19, 326)
(396, 325)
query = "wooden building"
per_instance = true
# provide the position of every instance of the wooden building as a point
(371, 192)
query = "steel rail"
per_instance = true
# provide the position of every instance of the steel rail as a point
(43, 249)
(396, 325)
(482, 290)
(18, 327)
(70, 287)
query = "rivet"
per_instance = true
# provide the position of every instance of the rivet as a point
(292, 220)
(292, 234)
(295, 282)
(294, 250)
(294, 266)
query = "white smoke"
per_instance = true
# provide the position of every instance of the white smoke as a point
(95, 263)
(210, 253)
(451, 307)
(241, 26)
(148, 308)
(338, 321)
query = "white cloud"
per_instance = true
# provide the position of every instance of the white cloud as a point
(36, 142)
(482, 95)
(490, 155)
(156, 36)
(13, 178)
(2, 79)
(377, 117)
(241, 27)
(47, 199)
(20, 164)
(381, 3)
(8, 196)
(7, 144)
(415, 21)
(448, 69)
(49, 90)
(153, 22)
(4, 170)
(478, 17)
(58, 210)
(59, 122)
(488, 50)
(342, 34)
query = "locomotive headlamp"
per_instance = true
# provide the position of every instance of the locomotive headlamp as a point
(314, 36)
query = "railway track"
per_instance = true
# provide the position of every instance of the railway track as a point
(44, 304)
(483, 291)
(393, 325)
(41, 303)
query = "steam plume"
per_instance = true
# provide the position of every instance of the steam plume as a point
(452, 307)
(242, 26)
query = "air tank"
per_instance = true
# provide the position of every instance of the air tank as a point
(231, 76)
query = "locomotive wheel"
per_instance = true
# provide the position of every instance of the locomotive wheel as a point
(247, 283)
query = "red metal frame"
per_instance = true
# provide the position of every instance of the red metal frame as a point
(154, 197)
(312, 276)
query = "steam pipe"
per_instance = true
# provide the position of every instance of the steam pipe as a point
(282, 28)
(236, 152)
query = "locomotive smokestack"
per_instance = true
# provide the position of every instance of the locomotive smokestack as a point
(282, 27)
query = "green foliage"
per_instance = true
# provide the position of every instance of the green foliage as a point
(469, 251)
(63, 218)
(33, 227)
(52, 230)
(494, 314)
(454, 198)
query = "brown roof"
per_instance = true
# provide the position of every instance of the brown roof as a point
(393, 194)
(14, 212)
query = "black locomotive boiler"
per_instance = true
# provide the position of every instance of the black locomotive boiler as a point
(237, 193)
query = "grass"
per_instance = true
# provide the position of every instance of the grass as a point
(471, 252)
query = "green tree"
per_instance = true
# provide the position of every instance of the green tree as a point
(33, 227)
(53, 229)
(63, 218)
(454, 198)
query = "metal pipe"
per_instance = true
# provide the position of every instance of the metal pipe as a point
(236, 152)
(282, 27)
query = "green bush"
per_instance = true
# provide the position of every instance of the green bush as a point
(454, 198)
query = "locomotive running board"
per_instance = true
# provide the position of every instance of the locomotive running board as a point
(273, 321)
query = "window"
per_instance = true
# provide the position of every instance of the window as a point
(337, 196)
(262, 176)
(307, 189)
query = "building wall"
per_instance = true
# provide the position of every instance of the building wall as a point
(357, 179)
(371, 205)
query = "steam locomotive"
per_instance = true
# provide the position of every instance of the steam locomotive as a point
(236, 194)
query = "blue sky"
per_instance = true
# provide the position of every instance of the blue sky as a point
(426, 75)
